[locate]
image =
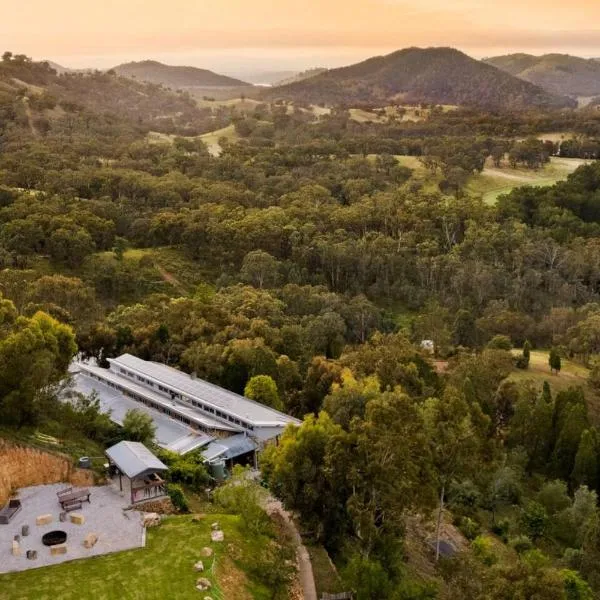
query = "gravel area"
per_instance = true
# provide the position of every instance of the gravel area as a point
(117, 529)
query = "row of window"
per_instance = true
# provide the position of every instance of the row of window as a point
(177, 396)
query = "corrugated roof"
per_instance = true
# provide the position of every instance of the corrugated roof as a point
(230, 447)
(239, 406)
(134, 459)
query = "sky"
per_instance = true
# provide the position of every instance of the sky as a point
(237, 35)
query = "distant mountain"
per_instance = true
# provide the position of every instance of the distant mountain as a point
(557, 73)
(415, 75)
(174, 76)
(58, 68)
(293, 78)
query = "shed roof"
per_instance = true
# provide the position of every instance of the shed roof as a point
(134, 459)
(227, 448)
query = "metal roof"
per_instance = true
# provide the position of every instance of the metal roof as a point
(177, 407)
(239, 406)
(134, 459)
(227, 448)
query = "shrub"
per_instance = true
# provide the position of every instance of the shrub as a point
(500, 342)
(501, 528)
(177, 496)
(521, 543)
(535, 520)
(469, 528)
(483, 550)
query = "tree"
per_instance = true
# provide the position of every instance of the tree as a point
(586, 469)
(139, 426)
(260, 269)
(575, 422)
(452, 442)
(263, 389)
(554, 361)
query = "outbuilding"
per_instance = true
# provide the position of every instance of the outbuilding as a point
(138, 471)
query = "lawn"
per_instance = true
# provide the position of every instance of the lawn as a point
(493, 182)
(571, 374)
(161, 570)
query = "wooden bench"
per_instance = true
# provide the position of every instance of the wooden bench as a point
(71, 505)
(66, 498)
(64, 492)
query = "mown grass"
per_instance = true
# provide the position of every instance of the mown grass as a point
(571, 374)
(160, 571)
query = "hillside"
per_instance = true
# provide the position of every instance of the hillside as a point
(49, 95)
(416, 75)
(302, 76)
(557, 73)
(175, 76)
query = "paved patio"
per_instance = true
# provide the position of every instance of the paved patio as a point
(117, 529)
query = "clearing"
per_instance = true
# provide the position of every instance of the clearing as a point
(572, 374)
(163, 569)
(212, 139)
(494, 182)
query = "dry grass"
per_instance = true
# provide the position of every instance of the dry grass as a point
(21, 466)
(571, 374)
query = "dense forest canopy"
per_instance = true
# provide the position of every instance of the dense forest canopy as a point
(305, 263)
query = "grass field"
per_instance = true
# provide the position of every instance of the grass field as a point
(212, 139)
(492, 182)
(571, 375)
(161, 570)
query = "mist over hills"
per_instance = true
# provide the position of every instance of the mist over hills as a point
(557, 73)
(414, 75)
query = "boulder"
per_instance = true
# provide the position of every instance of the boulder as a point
(43, 520)
(90, 540)
(77, 519)
(203, 584)
(206, 552)
(199, 566)
(151, 519)
(58, 549)
(217, 536)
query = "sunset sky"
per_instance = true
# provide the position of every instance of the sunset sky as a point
(274, 34)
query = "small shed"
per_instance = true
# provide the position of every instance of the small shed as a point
(140, 468)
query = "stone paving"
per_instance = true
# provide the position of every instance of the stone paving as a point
(117, 529)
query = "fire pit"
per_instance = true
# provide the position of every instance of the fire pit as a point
(53, 538)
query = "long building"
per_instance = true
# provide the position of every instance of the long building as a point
(188, 412)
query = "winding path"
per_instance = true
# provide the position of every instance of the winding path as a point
(305, 572)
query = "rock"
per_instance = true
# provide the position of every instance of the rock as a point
(151, 519)
(217, 536)
(77, 519)
(43, 520)
(16, 548)
(90, 540)
(199, 566)
(58, 549)
(203, 584)
(206, 552)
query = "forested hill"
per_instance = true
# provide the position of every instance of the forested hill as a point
(176, 77)
(49, 96)
(557, 73)
(416, 75)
